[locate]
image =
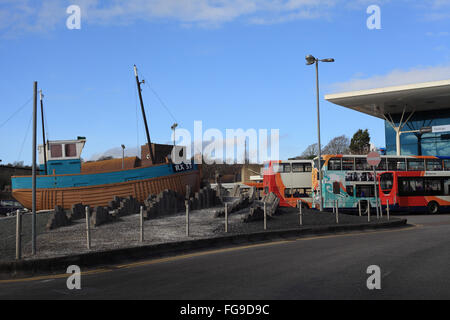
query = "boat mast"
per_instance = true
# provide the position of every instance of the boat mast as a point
(143, 114)
(33, 217)
(43, 130)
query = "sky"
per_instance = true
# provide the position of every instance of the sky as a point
(230, 64)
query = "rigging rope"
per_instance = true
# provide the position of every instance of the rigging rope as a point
(17, 111)
(25, 138)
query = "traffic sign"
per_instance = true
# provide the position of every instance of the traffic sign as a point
(373, 158)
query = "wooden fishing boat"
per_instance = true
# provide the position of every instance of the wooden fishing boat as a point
(96, 183)
(66, 180)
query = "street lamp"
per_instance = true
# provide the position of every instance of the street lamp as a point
(309, 61)
(173, 127)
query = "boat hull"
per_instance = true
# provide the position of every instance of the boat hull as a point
(102, 194)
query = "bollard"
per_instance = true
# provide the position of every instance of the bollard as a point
(226, 217)
(187, 218)
(337, 211)
(141, 221)
(359, 207)
(265, 217)
(381, 210)
(368, 211)
(300, 212)
(387, 209)
(18, 235)
(88, 229)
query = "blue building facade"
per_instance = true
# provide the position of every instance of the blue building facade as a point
(426, 144)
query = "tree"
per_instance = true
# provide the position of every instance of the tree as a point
(310, 152)
(360, 143)
(337, 145)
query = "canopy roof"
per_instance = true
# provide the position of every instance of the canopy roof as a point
(425, 96)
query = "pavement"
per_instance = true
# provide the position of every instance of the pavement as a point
(414, 264)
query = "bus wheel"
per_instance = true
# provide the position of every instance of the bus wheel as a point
(433, 207)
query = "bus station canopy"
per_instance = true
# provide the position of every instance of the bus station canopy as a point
(425, 96)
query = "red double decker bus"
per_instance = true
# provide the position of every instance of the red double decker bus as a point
(419, 184)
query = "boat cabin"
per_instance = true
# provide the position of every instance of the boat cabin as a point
(63, 156)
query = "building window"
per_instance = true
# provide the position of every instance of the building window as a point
(70, 150)
(56, 150)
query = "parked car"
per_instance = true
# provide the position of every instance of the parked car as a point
(9, 206)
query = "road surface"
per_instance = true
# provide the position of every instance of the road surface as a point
(414, 263)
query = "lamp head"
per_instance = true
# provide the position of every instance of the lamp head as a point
(310, 59)
(327, 60)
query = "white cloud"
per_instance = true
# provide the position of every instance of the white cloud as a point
(29, 15)
(394, 78)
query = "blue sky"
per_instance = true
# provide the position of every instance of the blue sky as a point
(232, 64)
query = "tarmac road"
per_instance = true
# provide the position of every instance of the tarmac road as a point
(414, 262)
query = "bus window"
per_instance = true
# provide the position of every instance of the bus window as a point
(334, 164)
(287, 193)
(382, 165)
(446, 186)
(416, 165)
(447, 164)
(396, 164)
(285, 167)
(297, 167)
(348, 164)
(361, 164)
(308, 192)
(433, 186)
(434, 165)
(410, 186)
(364, 191)
(349, 190)
(386, 182)
(308, 167)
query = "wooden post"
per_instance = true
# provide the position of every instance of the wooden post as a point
(226, 217)
(141, 221)
(187, 218)
(265, 216)
(337, 211)
(88, 228)
(18, 235)
(359, 207)
(387, 208)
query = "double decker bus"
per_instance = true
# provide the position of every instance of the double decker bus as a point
(347, 179)
(417, 184)
(290, 180)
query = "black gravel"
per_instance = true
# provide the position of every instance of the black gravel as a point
(288, 218)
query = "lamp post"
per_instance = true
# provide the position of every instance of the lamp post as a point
(309, 61)
(173, 127)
